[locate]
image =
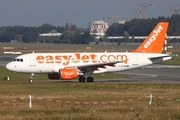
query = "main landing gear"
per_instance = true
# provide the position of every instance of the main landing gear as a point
(83, 79)
(31, 79)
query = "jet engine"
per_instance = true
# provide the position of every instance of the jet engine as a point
(64, 74)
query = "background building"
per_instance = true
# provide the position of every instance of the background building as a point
(98, 28)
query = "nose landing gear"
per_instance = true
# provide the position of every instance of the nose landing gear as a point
(31, 79)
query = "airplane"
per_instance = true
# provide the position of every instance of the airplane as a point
(69, 66)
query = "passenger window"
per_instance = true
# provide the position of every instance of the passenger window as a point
(21, 60)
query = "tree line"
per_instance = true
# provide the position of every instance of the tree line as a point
(142, 27)
(73, 35)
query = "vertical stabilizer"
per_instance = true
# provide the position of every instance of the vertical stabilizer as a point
(154, 43)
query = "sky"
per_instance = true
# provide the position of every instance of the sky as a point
(78, 12)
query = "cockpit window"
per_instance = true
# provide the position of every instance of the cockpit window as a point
(18, 59)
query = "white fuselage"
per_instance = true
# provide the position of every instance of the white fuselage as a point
(52, 62)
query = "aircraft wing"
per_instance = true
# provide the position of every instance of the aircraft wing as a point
(100, 67)
(89, 67)
(99, 64)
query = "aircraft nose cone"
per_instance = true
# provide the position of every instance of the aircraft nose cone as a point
(9, 66)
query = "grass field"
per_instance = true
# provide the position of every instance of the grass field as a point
(43, 109)
(161, 109)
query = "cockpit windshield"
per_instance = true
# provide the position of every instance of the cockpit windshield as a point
(18, 60)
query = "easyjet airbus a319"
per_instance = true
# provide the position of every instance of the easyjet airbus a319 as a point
(68, 66)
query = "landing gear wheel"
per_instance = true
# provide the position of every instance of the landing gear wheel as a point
(81, 79)
(31, 80)
(90, 79)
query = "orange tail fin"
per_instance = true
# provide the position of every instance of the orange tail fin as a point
(155, 41)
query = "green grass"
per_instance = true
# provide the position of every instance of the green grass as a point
(173, 61)
(89, 92)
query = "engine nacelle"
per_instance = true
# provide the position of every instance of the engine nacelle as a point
(68, 73)
(65, 74)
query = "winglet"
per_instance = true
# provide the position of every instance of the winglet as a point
(155, 41)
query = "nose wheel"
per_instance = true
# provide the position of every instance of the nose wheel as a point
(31, 79)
